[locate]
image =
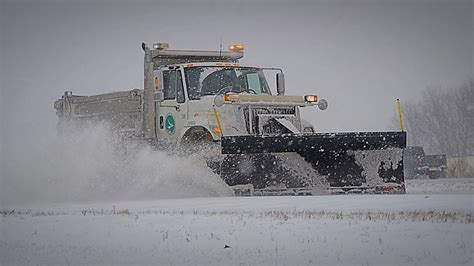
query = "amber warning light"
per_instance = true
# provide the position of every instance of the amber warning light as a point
(236, 48)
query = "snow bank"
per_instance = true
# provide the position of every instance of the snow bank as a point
(444, 185)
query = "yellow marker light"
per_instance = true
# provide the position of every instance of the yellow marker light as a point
(217, 130)
(311, 98)
(236, 48)
(231, 97)
(157, 82)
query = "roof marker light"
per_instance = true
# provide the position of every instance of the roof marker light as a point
(237, 48)
(161, 45)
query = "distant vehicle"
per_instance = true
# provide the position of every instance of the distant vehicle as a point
(417, 163)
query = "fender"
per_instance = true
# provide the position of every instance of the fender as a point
(206, 129)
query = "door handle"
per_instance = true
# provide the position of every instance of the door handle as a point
(177, 107)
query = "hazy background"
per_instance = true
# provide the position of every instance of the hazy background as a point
(359, 55)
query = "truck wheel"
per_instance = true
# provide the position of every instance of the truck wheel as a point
(443, 174)
(199, 141)
(195, 140)
(434, 175)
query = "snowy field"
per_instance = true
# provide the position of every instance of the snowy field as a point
(446, 185)
(421, 228)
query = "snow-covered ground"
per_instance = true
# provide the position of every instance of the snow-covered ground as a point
(445, 185)
(422, 228)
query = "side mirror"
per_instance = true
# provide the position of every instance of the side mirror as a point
(323, 104)
(219, 100)
(280, 82)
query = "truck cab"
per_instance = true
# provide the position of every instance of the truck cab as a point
(196, 100)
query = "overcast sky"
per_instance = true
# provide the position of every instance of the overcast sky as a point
(359, 55)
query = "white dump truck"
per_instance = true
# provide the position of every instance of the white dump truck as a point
(207, 99)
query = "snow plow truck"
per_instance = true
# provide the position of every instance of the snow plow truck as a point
(249, 131)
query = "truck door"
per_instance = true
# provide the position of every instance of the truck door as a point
(173, 109)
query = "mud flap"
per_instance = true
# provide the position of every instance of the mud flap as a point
(354, 162)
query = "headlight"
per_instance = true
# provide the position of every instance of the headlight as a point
(311, 98)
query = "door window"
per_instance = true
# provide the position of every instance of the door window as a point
(254, 82)
(169, 84)
(173, 86)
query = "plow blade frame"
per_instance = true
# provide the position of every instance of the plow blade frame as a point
(351, 162)
(317, 141)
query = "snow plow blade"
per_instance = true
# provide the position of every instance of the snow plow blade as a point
(355, 162)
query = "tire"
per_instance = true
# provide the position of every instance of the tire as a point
(434, 175)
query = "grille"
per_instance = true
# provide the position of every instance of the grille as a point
(271, 128)
(274, 111)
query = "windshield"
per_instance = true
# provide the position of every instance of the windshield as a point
(218, 80)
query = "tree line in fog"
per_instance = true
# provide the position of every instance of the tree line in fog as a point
(442, 121)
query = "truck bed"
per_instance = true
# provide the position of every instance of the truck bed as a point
(122, 110)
